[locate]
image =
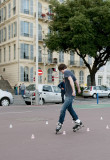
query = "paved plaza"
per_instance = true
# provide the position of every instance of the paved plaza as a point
(28, 133)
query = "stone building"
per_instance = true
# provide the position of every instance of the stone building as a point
(18, 45)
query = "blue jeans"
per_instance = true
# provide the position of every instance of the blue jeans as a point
(67, 106)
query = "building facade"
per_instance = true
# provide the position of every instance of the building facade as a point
(103, 75)
(18, 45)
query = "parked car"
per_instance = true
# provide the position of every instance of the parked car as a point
(47, 93)
(6, 98)
(91, 91)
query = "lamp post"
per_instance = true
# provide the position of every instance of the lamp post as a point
(44, 45)
(37, 93)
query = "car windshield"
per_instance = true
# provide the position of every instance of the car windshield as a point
(56, 89)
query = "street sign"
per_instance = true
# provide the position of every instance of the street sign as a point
(40, 72)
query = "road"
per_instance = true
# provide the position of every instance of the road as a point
(28, 132)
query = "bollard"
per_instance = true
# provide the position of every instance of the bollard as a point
(97, 98)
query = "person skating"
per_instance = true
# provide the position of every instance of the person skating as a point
(70, 79)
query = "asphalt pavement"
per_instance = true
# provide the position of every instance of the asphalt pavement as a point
(28, 132)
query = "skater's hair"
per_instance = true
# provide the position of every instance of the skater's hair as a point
(62, 67)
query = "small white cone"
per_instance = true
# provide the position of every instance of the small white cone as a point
(32, 137)
(101, 118)
(64, 132)
(107, 127)
(47, 122)
(88, 129)
(10, 126)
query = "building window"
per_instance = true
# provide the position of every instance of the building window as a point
(9, 53)
(9, 10)
(26, 29)
(27, 7)
(14, 51)
(9, 32)
(50, 56)
(71, 58)
(39, 10)
(61, 56)
(39, 32)
(50, 75)
(15, 29)
(14, 7)
(26, 74)
(26, 51)
(4, 13)
(81, 62)
(81, 77)
(5, 34)
(61, 76)
(99, 81)
(40, 55)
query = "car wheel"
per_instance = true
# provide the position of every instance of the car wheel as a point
(41, 102)
(109, 95)
(5, 102)
(28, 103)
(94, 95)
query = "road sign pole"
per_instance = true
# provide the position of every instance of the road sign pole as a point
(37, 93)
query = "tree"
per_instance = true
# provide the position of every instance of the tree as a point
(84, 27)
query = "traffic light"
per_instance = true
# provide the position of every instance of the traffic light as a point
(34, 79)
(52, 78)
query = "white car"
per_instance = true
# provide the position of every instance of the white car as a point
(91, 91)
(6, 98)
(47, 93)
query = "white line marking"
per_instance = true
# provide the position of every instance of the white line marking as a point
(15, 112)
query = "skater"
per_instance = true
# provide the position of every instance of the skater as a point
(62, 87)
(70, 95)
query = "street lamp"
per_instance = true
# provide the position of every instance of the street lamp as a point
(37, 93)
(44, 45)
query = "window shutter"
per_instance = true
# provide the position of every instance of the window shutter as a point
(31, 7)
(31, 30)
(15, 29)
(22, 28)
(22, 51)
(12, 30)
(22, 74)
(31, 75)
(31, 52)
(22, 6)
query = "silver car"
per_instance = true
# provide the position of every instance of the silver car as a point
(91, 91)
(47, 93)
(6, 98)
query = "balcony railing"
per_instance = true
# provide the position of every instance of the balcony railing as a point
(76, 63)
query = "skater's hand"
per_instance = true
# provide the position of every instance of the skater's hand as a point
(73, 94)
(79, 91)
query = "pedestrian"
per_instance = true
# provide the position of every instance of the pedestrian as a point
(23, 89)
(70, 79)
(62, 87)
(16, 89)
(20, 89)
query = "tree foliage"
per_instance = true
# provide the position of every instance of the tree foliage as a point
(84, 27)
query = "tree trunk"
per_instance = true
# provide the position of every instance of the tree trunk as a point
(92, 75)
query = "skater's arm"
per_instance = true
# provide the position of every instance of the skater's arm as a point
(72, 85)
(78, 87)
